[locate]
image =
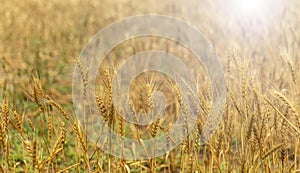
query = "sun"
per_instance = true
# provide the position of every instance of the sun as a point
(250, 7)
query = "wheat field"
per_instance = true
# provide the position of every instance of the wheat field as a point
(40, 42)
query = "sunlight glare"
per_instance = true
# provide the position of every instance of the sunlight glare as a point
(250, 7)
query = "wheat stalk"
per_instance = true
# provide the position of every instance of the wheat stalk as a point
(79, 137)
(5, 113)
(59, 108)
(31, 147)
(84, 76)
(155, 127)
(286, 57)
(18, 121)
(102, 108)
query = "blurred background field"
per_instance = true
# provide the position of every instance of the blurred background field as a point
(258, 46)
